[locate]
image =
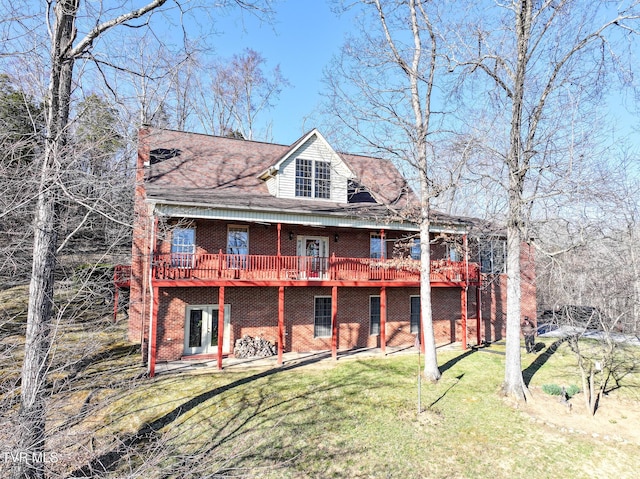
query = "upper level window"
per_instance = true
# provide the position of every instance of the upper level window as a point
(453, 252)
(303, 177)
(238, 246)
(183, 247)
(323, 180)
(415, 249)
(313, 178)
(375, 246)
(238, 240)
(493, 255)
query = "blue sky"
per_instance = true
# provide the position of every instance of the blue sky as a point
(303, 37)
(302, 40)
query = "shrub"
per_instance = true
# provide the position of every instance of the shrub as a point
(555, 390)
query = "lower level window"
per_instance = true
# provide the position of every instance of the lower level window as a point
(415, 314)
(374, 315)
(322, 317)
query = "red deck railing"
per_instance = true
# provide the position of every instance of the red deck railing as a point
(181, 266)
(122, 275)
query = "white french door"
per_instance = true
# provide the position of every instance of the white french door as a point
(314, 256)
(201, 329)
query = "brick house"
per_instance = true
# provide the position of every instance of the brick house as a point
(307, 247)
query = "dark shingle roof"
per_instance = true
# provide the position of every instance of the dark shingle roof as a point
(193, 168)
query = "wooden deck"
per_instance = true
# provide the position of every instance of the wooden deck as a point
(261, 268)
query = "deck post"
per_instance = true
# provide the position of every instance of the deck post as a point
(479, 309)
(334, 322)
(279, 265)
(383, 319)
(463, 315)
(152, 336)
(280, 324)
(383, 256)
(220, 324)
(115, 303)
(279, 238)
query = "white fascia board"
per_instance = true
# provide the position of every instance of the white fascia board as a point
(264, 215)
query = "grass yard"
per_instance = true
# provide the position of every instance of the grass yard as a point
(354, 418)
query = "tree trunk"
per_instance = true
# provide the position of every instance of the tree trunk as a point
(517, 162)
(513, 381)
(431, 371)
(32, 415)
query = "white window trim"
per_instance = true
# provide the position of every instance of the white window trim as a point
(182, 261)
(238, 227)
(378, 236)
(379, 315)
(313, 179)
(410, 301)
(315, 317)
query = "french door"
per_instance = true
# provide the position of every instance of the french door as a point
(314, 256)
(201, 329)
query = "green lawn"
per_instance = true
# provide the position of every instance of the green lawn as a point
(354, 418)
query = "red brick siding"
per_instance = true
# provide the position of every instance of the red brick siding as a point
(254, 311)
(211, 237)
(140, 249)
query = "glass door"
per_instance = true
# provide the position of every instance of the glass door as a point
(314, 256)
(201, 330)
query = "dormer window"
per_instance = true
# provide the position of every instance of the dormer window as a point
(313, 178)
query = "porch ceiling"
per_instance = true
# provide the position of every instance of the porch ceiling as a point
(326, 215)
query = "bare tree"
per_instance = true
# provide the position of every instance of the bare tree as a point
(73, 38)
(382, 89)
(548, 52)
(238, 92)
(21, 120)
(589, 276)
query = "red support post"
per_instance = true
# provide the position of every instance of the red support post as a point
(383, 319)
(115, 303)
(279, 238)
(334, 322)
(220, 324)
(280, 324)
(463, 315)
(152, 336)
(479, 309)
(383, 255)
(279, 264)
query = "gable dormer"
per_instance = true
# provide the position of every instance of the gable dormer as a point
(309, 170)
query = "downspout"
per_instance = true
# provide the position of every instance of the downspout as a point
(151, 353)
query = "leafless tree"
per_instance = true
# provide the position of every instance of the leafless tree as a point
(21, 119)
(536, 57)
(237, 93)
(588, 279)
(74, 35)
(382, 89)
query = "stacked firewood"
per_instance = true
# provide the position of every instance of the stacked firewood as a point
(248, 347)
